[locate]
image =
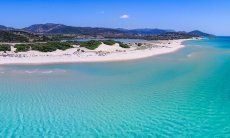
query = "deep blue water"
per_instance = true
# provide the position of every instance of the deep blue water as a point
(182, 94)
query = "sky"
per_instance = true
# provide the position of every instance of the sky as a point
(211, 16)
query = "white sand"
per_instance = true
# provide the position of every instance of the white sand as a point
(107, 48)
(102, 54)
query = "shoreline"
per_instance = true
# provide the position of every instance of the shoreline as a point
(103, 54)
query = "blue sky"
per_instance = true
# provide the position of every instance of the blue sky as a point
(211, 16)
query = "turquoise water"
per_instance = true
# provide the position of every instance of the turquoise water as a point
(183, 94)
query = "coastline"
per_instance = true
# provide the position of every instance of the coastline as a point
(102, 54)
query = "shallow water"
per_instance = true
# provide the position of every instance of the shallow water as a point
(183, 94)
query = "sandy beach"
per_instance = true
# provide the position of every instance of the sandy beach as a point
(103, 53)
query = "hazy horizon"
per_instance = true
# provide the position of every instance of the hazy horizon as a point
(210, 16)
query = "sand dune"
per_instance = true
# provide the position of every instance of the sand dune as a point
(104, 53)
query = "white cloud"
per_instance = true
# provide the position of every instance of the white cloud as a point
(125, 16)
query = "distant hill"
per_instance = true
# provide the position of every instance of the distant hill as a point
(2, 27)
(199, 33)
(50, 28)
(20, 36)
(148, 31)
(5, 28)
(50, 31)
(43, 28)
(63, 29)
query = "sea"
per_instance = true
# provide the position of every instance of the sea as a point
(181, 94)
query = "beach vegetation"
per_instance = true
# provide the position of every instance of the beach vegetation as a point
(139, 44)
(123, 45)
(5, 48)
(91, 45)
(43, 47)
(51, 46)
(22, 47)
(109, 42)
(72, 42)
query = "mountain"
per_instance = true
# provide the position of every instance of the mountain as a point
(5, 28)
(54, 29)
(43, 28)
(148, 31)
(51, 28)
(199, 33)
(174, 35)
(2, 27)
(50, 31)
(63, 29)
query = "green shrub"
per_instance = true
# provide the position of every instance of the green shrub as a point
(22, 47)
(59, 45)
(50, 46)
(109, 42)
(43, 48)
(72, 42)
(5, 48)
(123, 45)
(92, 44)
(139, 44)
